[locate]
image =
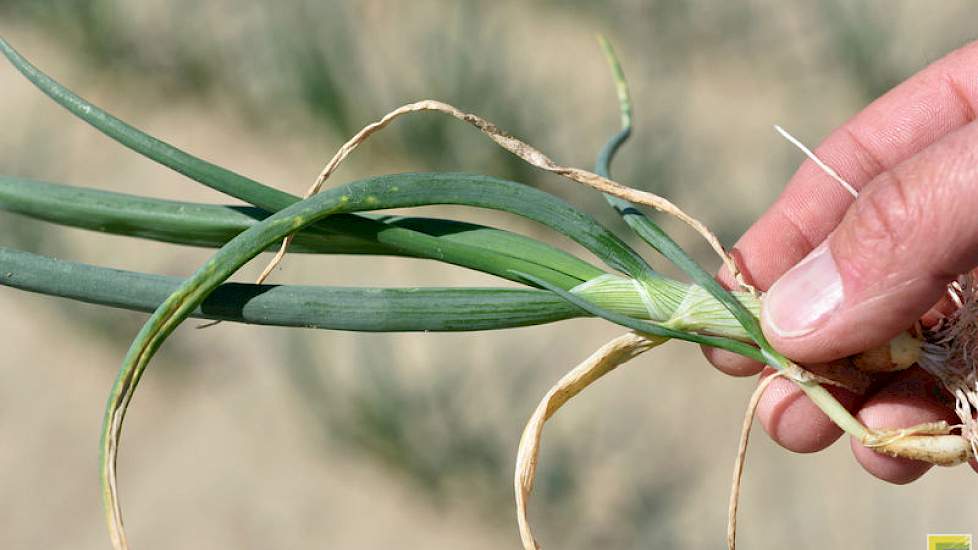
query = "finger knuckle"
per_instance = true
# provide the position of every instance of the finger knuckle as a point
(885, 219)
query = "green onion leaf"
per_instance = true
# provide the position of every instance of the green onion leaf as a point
(335, 308)
(651, 233)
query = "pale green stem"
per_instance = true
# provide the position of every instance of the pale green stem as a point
(675, 305)
(833, 409)
(691, 308)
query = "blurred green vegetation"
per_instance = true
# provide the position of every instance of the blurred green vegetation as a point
(309, 57)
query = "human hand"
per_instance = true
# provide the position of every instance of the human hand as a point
(847, 275)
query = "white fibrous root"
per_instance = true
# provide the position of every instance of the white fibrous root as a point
(949, 352)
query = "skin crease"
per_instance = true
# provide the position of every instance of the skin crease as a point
(913, 155)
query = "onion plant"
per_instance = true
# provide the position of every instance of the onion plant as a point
(557, 285)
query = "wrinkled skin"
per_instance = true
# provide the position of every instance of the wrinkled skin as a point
(881, 260)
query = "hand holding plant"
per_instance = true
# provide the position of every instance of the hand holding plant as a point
(845, 275)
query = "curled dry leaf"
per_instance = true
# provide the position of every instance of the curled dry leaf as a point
(601, 362)
(533, 157)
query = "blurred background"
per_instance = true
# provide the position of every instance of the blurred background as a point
(251, 437)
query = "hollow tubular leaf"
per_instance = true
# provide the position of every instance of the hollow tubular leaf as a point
(651, 233)
(336, 308)
(199, 170)
(468, 245)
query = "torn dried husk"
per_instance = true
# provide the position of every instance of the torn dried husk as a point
(943, 450)
(932, 442)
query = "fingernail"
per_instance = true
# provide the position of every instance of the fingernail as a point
(803, 298)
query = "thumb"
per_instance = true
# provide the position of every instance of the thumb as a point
(911, 231)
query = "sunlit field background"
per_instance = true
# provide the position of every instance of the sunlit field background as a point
(250, 437)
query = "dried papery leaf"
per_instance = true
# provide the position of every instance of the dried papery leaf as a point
(943, 450)
(335, 162)
(531, 156)
(818, 162)
(738, 474)
(601, 362)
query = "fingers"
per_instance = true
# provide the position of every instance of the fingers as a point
(913, 397)
(934, 102)
(893, 128)
(731, 363)
(794, 422)
(908, 234)
(890, 132)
